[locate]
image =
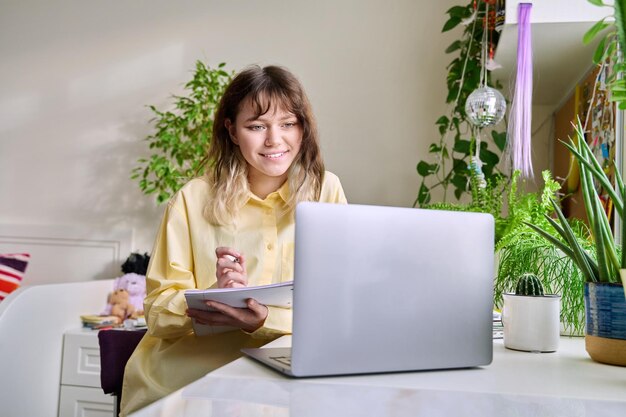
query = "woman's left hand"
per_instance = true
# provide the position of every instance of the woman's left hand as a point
(248, 319)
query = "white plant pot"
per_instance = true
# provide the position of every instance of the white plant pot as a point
(531, 323)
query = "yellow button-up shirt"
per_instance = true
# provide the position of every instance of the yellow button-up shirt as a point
(170, 355)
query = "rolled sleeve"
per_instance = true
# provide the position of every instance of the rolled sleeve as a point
(169, 274)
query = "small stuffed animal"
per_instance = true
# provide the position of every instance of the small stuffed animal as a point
(133, 282)
(121, 306)
(135, 285)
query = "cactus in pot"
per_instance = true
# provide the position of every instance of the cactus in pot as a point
(529, 284)
(530, 317)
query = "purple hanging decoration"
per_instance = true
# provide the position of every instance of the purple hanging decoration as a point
(519, 138)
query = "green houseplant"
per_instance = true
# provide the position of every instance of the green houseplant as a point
(608, 262)
(519, 249)
(484, 199)
(522, 250)
(606, 328)
(602, 268)
(610, 51)
(182, 135)
(448, 163)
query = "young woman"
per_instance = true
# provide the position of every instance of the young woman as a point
(232, 228)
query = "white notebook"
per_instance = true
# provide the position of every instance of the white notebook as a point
(279, 295)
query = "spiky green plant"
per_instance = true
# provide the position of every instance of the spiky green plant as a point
(604, 260)
(609, 258)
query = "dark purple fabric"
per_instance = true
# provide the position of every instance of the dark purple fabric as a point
(11, 262)
(116, 346)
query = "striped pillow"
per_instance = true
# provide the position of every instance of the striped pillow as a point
(12, 267)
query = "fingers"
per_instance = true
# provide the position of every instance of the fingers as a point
(225, 309)
(232, 256)
(232, 279)
(234, 284)
(248, 319)
(224, 251)
(225, 264)
(210, 318)
(230, 269)
(257, 308)
(214, 317)
(235, 276)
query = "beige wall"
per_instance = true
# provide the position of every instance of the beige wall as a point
(76, 76)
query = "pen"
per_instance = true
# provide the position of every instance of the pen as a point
(232, 258)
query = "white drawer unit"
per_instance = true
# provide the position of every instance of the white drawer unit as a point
(81, 394)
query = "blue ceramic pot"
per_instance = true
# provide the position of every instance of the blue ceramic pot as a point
(605, 307)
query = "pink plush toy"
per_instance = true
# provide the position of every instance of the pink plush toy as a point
(133, 282)
(135, 286)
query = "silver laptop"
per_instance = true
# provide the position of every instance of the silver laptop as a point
(388, 289)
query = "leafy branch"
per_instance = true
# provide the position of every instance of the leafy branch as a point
(611, 48)
(182, 135)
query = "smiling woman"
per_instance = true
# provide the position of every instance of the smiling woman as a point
(268, 142)
(233, 227)
(264, 113)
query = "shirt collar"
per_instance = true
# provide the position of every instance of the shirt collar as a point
(283, 193)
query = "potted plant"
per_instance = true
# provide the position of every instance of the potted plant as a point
(182, 134)
(604, 268)
(446, 167)
(521, 250)
(530, 317)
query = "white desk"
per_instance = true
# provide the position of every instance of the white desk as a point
(566, 383)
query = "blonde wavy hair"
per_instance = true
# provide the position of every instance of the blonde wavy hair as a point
(227, 172)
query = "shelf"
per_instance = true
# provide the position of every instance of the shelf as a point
(560, 59)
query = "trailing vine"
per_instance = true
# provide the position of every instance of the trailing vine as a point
(451, 161)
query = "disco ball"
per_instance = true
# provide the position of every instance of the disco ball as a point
(485, 106)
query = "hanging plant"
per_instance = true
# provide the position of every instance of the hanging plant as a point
(451, 165)
(182, 135)
(610, 49)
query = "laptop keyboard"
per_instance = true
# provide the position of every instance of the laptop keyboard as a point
(285, 360)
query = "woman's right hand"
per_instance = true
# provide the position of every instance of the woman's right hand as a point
(230, 268)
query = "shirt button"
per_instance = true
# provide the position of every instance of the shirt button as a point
(270, 246)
